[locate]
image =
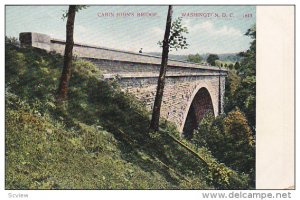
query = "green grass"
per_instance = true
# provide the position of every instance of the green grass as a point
(98, 140)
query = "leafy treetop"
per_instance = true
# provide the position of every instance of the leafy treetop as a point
(176, 39)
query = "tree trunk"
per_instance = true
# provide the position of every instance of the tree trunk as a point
(154, 125)
(67, 70)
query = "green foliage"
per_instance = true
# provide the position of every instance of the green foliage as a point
(222, 176)
(177, 39)
(230, 66)
(216, 173)
(222, 63)
(230, 140)
(194, 58)
(244, 94)
(32, 77)
(81, 7)
(12, 40)
(237, 66)
(211, 59)
(232, 84)
(87, 70)
(100, 139)
(77, 9)
(44, 154)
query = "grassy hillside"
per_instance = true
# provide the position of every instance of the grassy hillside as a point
(98, 140)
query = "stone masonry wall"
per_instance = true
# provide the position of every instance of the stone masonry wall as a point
(178, 94)
(138, 74)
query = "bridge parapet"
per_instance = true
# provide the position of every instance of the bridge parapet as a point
(138, 74)
(98, 53)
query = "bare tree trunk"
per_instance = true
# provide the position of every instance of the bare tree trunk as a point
(67, 70)
(154, 125)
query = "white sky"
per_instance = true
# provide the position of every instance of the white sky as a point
(206, 35)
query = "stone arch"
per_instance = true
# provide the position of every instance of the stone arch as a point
(200, 103)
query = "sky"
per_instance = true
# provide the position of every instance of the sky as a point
(212, 29)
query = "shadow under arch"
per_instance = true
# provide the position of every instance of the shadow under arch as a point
(201, 104)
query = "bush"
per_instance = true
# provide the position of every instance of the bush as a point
(87, 70)
(230, 140)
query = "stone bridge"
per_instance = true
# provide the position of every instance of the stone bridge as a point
(191, 90)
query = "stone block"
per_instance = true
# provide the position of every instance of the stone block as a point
(37, 40)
